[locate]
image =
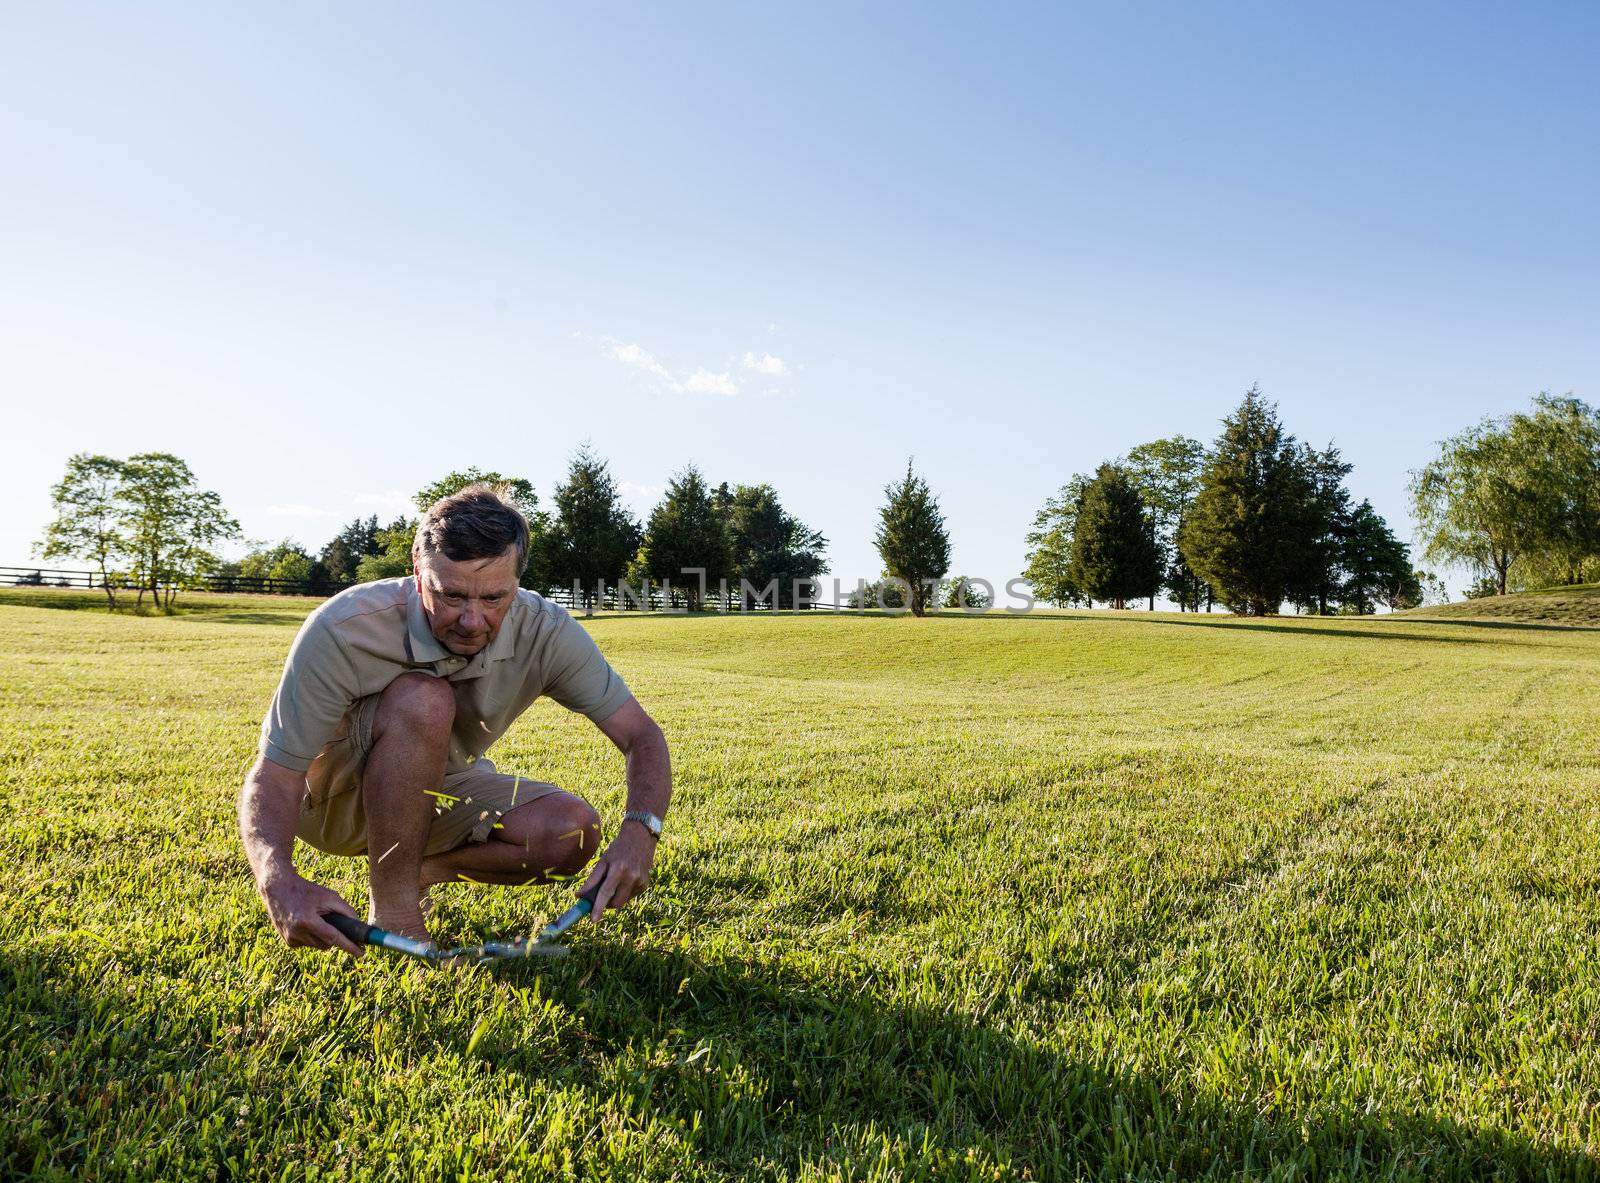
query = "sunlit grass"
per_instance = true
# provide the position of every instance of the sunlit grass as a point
(1099, 895)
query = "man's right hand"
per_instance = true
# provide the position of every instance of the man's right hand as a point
(296, 905)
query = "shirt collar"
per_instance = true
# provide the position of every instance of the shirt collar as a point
(422, 646)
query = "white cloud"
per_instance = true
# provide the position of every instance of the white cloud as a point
(391, 499)
(703, 381)
(765, 364)
(300, 511)
(640, 359)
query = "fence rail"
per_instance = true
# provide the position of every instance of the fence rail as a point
(648, 599)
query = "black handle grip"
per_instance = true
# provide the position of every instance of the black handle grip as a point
(358, 931)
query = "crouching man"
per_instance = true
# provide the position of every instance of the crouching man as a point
(374, 744)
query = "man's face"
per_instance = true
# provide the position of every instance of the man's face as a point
(466, 601)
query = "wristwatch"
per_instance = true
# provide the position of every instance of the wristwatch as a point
(648, 820)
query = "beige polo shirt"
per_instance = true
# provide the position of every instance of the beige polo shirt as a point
(363, 638)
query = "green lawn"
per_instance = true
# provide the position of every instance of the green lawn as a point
(1090, 895)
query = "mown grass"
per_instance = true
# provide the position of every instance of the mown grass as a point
(1091, 896)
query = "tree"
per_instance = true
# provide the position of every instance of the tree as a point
(1315, 587)
(1167, 474)
(170, 523)
(87, 524)
(1376, 565)
(911, 537)
(1558, 445)
(393, 557)
(1049, 569)
(287, 562)
(592, 536)
(515, 489)
(960, 593)
(342, 556)
(769, 545)
(1477, 502)
(1115, 555)
(1252, 530)
(685, 533)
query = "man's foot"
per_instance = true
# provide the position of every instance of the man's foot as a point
(411, 924)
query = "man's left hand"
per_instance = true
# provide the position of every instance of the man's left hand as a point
(623, 868)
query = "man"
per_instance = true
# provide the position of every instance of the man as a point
(392, 693)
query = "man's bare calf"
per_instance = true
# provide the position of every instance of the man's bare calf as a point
(557, 835)
(410, 741)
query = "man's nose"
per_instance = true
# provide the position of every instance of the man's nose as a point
(471, 619)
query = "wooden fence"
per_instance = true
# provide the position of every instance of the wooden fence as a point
(646, 599)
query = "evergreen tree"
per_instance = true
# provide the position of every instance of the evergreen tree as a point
(1049, 569)
(686, 532)
(1252, 530)
(1115, 555)
(1316, 586)
(911, 537)
(343, 554)
(769, 544)
(1376, 565)
(593, 536)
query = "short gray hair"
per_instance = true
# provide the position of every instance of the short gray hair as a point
(478, 522)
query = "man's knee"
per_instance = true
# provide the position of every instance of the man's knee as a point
(419, 703)
(575, 829)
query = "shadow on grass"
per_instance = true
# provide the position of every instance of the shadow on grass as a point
(760, 1071)
(1254, 624)
(1480, 622)
(793, 1074)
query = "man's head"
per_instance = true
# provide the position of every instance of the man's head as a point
(469, 551)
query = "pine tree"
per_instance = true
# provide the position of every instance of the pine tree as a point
(911, 537)
(686, 532)
(1252, 530)
(593, 536)
(1376, 565)
(1317, 585)
(1115, 555)
(770, 545)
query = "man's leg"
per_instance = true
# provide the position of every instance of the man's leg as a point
(410, 742)
(556, 835)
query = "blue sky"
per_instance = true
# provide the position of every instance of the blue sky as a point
(327, 253)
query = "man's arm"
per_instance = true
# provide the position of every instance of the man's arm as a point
(269, 806)
(623, 869)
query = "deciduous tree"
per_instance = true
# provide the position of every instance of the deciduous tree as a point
(88, 521)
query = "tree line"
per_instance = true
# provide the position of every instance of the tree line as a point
(1253, 520)
(145, 524)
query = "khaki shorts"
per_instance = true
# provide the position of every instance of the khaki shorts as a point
(467, 807)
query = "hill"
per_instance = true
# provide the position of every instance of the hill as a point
(1576, 604)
